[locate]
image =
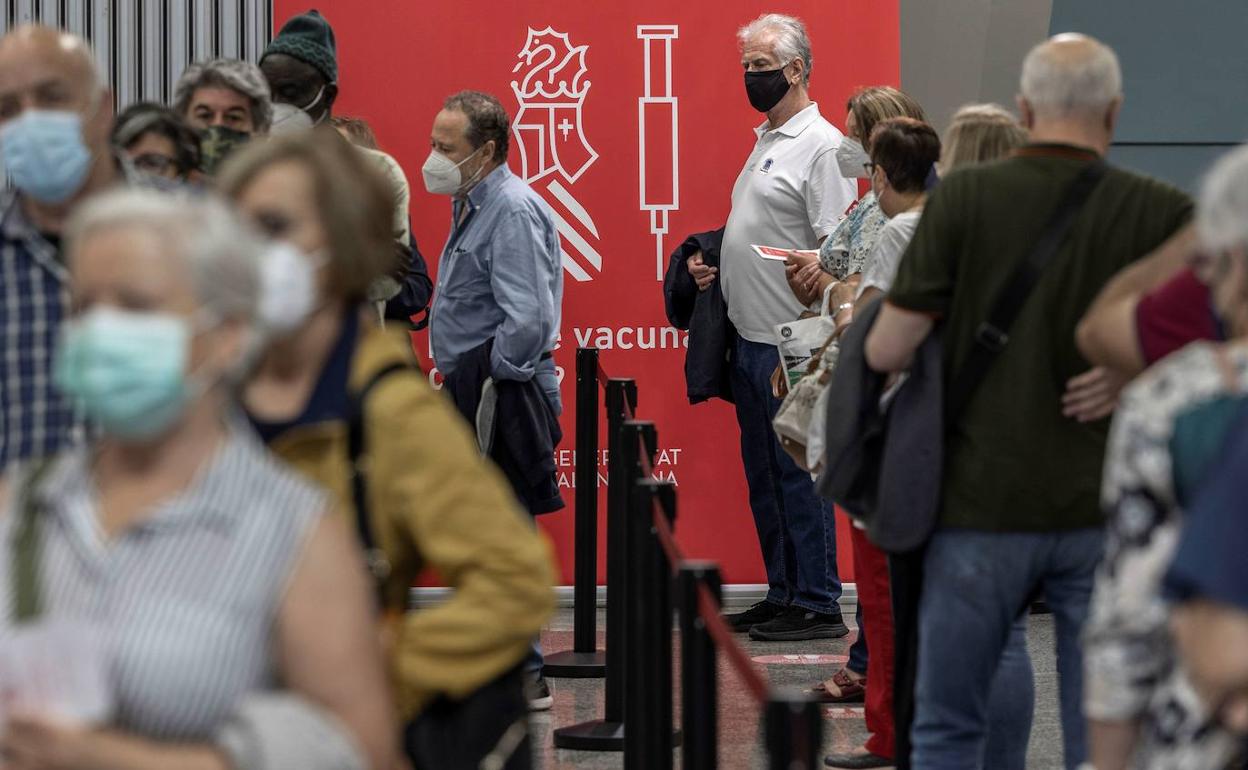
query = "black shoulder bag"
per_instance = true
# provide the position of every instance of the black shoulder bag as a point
(375, 559)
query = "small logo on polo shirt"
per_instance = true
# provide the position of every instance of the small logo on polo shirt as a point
(767, 165)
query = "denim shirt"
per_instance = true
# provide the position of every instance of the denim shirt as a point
(500, 276)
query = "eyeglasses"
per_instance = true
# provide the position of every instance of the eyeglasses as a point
(154, 163)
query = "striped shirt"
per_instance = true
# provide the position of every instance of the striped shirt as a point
(35, 419)
(186, 601)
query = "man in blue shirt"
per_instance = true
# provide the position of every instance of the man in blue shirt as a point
(55, 119)
(500, 279)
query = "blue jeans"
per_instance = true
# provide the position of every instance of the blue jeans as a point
(858, 650)
(975, 586)
(796, 530)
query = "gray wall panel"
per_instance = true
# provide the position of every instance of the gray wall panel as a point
(1180, 165)
(1184, 65)
(955, 52)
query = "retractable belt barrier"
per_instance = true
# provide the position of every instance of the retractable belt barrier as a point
(645, 567)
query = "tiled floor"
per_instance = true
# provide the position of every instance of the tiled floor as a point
(578, 700)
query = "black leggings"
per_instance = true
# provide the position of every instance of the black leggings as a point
(458, 735)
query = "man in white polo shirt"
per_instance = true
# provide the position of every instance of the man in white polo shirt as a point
(790, 195)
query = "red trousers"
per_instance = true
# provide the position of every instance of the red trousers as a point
(871, 578)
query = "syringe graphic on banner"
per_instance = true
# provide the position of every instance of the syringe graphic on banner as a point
(657, 119)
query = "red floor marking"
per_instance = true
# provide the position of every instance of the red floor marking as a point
(800, 660)
(844, 712)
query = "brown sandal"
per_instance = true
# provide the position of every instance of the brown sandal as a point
(852, 691)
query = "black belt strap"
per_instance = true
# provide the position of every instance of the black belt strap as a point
(357, 448)
(994, 334)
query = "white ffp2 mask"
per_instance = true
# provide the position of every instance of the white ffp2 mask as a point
(852, 159)
(444, 176)
(288, 287)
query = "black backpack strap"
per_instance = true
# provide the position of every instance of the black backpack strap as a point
(378, 564)
(26, 547)
(994, 334)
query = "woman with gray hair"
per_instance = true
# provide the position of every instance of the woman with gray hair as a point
(172, 572)
(228, 100)
(1171, 427)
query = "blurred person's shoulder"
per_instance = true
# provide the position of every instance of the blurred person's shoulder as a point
(386, 163)
(380, 356)
(259, 481)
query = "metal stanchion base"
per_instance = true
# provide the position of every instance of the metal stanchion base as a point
(575, 665)
(591, 736)
(598, 736)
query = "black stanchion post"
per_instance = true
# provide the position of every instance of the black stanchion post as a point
(607, 734)
(660, 715)
(584, 660)
(637, 666)
(794, 733)
(699, 684)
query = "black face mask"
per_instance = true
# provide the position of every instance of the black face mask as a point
(766, 88)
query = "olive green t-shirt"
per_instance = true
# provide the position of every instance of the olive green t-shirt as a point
(1013, 462)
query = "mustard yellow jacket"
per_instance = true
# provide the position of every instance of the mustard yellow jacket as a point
(434, 502)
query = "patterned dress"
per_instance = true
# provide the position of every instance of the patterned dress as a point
(848, 249)
(1131, 670)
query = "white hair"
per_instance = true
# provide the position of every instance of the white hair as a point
(792, 42)
(220, 253)
(1059, 82)
(1222, 211)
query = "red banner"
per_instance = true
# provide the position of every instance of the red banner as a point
(630, 119)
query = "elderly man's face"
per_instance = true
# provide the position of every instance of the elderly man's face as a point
(45, 70)
(759, 54)
(298, 84)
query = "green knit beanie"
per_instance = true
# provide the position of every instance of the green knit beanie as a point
(308, 38)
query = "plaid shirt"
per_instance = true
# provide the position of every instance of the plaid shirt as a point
(35, 419)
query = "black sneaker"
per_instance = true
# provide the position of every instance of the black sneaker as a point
(759, 613)
(796, 624)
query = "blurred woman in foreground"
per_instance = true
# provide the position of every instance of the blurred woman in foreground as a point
(199, 601)
(344, 402)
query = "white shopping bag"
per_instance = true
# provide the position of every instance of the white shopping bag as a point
(55, 669)
(799, 341)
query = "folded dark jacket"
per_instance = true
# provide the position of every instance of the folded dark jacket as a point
(885, 467)
(526, 429)
(705, 315)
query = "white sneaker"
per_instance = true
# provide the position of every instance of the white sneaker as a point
(538, 693)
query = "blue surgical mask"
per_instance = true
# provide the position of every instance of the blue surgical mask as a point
(44, 154)
(127, 370)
